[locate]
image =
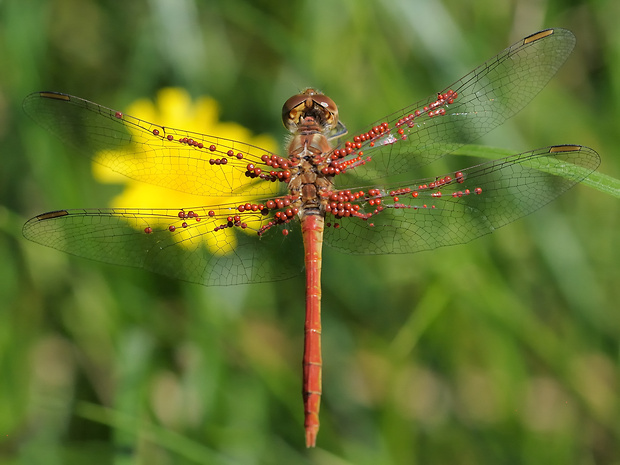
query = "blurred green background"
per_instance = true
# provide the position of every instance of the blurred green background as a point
(504, 350)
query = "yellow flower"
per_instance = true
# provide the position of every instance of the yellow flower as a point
(175, 109)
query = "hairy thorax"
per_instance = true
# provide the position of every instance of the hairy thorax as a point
(308, 152)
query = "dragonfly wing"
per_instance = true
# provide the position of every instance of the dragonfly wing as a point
(186, 161)
(157, 240)
(415, 218)
(465, 110)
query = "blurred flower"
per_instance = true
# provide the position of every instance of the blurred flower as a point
(174, 108)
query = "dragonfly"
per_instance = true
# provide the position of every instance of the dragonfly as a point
(327, 188)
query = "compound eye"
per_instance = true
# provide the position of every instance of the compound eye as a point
(326, 103)
(309, 103)
(290, 112)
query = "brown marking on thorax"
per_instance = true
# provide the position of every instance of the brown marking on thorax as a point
(310, 149)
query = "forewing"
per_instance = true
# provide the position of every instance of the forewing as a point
(480, 101)
(185, 161)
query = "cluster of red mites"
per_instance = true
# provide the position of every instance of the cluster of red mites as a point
(222, 161)
(340, 206)
(199, 145)
(230, 222)
(264, 208)
(477, 190)
(253, 171)
(351, 147)
(397, 192)
(279, 218)
(339, 203)
(430, 110)
(336, 167)
(275, 161)
(182, 215)
(279, 202)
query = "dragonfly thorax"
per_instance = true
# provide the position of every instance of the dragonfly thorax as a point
(310, 109)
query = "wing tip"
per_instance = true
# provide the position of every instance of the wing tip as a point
(54, 95)
(51, 215)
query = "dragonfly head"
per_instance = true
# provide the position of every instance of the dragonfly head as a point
(310, 107)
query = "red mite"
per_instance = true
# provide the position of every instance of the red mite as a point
(317, 201)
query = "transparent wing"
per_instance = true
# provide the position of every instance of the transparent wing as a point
(185, 161)
(216, 245)
(458, 207)
(472, 106)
